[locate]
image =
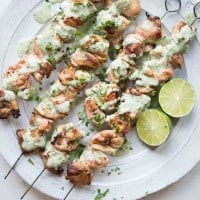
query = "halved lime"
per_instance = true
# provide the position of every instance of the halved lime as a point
(177, 97)
(153, 127)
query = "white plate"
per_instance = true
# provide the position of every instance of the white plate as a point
(144, 170)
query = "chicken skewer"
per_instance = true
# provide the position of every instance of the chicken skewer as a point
(44, 52)
(132, 104)
(43, 119)
(65, 139)
(102, 98)
(65, 86)
(23, 85)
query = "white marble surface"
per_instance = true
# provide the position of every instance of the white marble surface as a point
(13, 187)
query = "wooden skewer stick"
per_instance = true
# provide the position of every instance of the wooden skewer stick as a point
(13, 166)
(30, 186)
(69, 192)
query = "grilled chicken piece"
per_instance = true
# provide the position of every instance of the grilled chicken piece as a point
(142, 90)
(115, 34)
(47, 109)
(150, 29)
(95, 159)
(66, 138)
(40, 123)
(69, 95)
(96, 45)
(129, 10)
(107, 141)
(83, 59)
(75, 78)
(8, 105)
(79, 173)
(106, 95)
(121, 123)
(67, 75)
(177, 61)
(178, 27)
(133, 44)
(94, 114)
(57, 171)
(42, 52)
(56, 107)
(45, 71)
(11, 82)
(30, 140)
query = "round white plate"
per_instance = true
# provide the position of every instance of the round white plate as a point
(143, 170)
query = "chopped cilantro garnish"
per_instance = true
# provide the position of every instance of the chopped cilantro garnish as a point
(83, 117)
(51, 59)
(49, 46)
(74, 155)
(101, 195)
(30, 161)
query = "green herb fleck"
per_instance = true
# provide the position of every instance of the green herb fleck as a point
(125, 148)
(52, 82)
(30, 161)
(40, 88)
(51, 59)
(75, 155)
(48, 46)
(62, 188)
(101, 195)
(109, 173)
(83, 117)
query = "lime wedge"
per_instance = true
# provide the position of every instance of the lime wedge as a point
(153, 127)
(177, 97)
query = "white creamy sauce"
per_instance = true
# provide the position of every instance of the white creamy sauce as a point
(81, 78)
(99, 46)
(47, 104)
(99, 91)
(48, 42)
(189, 18)
(65, 32)
(61, 128)
(147, 25)
(27, 93)
(110, 18)
(42, 14)
(133, 104)
(63, 107)
(120, 68)
(25, 46)
(30, 143)
(95, 155)
(122, 5)
(57, 88)
(8, 95)
(55, 158)
(33, 63)
(78, 10)
(143, 80)
(130, 39)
